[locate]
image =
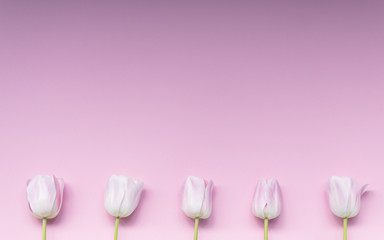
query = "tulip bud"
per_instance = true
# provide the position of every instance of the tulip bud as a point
(45, 196)
(344, 196)
(267, 199)
(197, 198)
(122, 195)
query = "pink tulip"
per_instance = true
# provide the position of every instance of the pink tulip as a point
(267, 202)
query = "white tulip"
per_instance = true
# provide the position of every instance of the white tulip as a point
(45, 196)
(197, 197)
(122, 195)
(344, 196)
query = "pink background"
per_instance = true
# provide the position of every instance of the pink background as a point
(228, 90)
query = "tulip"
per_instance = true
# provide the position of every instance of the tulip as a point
(45, 197)
(121, 197)
(197, 199)
(267, 202)
(344, 195)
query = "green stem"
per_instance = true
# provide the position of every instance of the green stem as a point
(196, 227)
(265, 228)
(44, 228)
(345, 228)
(116, 226)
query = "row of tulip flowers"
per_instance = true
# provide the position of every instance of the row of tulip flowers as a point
(122, 195)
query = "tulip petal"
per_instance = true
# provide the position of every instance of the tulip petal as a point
(363, 189)
(59, 185)
(353, 206)
(207, 203)
(259, 201)
(114, 194)
(131, 198)
(274, 199)
(338, 189)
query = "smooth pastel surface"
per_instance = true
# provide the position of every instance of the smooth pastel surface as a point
(231, 91)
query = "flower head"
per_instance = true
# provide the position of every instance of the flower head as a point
(197, 197)
(45, 195)
(122, 195)
(344, 196)
(267, 200)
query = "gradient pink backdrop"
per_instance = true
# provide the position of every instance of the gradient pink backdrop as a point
(159, 90)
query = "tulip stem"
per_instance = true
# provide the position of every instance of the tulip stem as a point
(116, 226)
(44, 228)
(265, 228)
(196, 227)
(345, 228)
